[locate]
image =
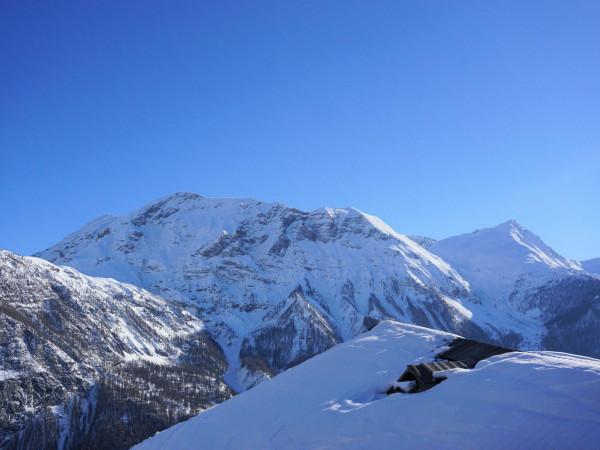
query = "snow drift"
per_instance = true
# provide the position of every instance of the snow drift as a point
(337, 400)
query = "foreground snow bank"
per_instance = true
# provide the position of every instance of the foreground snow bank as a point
(336, 400)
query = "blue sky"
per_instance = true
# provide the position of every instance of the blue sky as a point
(439, 117)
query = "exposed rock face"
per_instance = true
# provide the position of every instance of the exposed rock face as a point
(69, 343)
(573, 325)
(296, 332)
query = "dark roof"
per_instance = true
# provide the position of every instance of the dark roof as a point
(471, 352)
(462, 354)
(422, 374)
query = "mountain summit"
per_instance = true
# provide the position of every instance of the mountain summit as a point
(495, 259)
(554, 301)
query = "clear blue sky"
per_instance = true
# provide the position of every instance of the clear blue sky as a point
(438, 116)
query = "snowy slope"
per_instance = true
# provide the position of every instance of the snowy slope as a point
(273, 284)
(335, 400)
(123, 320)
(592, 265)
(497, 260)
(65, 338)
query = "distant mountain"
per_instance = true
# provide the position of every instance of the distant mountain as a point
(93, 363)
(498, 260)
(510, 268)
(273, 284)
(337, 400)
(592, 265)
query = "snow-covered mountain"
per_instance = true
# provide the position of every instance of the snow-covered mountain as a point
(267, 287)
(501, 260)
(337, 400)
(591, 265)
(78, 354)
(511, 269)
(273, 284)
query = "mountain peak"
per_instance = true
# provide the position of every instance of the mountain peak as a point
(495, 258)
(175, 197)
(184, 195)
(510, 224)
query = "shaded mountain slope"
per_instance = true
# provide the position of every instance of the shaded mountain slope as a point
(68, 342)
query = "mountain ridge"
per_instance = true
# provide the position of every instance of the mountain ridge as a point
(235, 260)
(270, 286)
